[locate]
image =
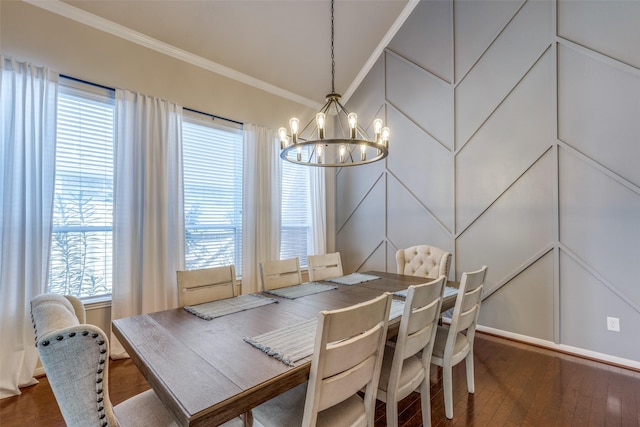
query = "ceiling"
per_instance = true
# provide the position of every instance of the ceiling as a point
(282, 46)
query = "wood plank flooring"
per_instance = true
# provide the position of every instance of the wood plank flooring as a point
(516, 385)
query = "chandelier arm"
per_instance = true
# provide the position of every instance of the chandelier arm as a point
(324, 109)
(359, 127)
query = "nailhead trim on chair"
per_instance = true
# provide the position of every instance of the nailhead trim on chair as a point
(99, 373)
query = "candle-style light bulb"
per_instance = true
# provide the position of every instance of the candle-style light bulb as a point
(282, 134)
(342, 151)
(320, 121)
(385, 136)
(299, 153)
(363, 152)
(319, 148)
(293, 124)
(353, 124)
(377, 128)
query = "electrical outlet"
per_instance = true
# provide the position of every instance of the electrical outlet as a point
(613, 324)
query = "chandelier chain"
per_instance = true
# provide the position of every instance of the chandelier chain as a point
(333, 61)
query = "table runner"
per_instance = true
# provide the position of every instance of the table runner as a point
(301, 290)
(213, 309)
(293, 343)
(353, 279)
(448, 291)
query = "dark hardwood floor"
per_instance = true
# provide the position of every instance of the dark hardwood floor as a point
(516, 385)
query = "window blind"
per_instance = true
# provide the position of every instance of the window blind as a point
(295, 222)
(212, 159)
(80, 260)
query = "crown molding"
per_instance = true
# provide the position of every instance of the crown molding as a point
(66, 10)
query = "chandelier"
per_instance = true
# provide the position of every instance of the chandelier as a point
(334, 138)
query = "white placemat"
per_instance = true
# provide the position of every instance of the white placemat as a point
(213, 309)
(301, 290)
(353, 279)
(293, 343)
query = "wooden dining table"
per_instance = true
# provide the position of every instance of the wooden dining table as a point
(203, 370)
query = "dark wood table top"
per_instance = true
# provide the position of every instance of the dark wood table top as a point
(206, 374)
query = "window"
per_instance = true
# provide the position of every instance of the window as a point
(80, 260)
(296, 220)
(212, 158)
(81, 247)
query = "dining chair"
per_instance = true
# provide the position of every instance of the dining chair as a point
(455, 342)
(280, 273)
(206, 284)
(406, 364)
(324, 266)
(347, 357)
(75, 358)
(423, 261)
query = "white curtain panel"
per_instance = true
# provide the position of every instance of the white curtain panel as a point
(148, 220)
(318, 211)
(27, 169)
(260, 204)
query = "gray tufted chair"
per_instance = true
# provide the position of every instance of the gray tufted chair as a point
(423, 261)
(75, 358)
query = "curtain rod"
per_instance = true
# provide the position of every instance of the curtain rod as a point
(213, 116)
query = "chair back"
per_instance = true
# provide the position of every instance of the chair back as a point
(467, 308)
(418, 325)
(75, 358)
(206, 284)
(325, 266)
(347, 356)
(280, 274)
(423, 261)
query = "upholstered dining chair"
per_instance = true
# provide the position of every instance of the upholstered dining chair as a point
(75, 357)
(325, 266)
(347, 357)
(280, 273)
(454, 343)
(206, 284)
(406, 365)
(424, 261)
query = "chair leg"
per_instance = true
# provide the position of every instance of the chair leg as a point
(470, 382)
(425, 401)
(392, 412)
(447, 383)
(247, 419)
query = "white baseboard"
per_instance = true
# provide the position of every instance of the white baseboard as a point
(605, 358)
(38, 372)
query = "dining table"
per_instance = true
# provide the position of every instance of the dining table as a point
(206, 373)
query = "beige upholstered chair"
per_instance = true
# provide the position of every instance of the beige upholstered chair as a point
(325, 266)
(405, 367)
(347, 358)
(75, 357)
(454, 344)
(206, 284)
(281, 273)
(424, 261)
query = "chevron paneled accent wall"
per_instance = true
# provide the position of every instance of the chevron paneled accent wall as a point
(516, 145)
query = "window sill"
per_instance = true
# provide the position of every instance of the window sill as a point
(95, 303)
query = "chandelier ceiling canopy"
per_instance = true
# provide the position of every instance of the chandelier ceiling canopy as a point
(333, 138)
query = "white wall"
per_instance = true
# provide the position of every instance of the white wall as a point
(515, 144)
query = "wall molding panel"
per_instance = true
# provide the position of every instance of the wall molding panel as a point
(518, 150)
